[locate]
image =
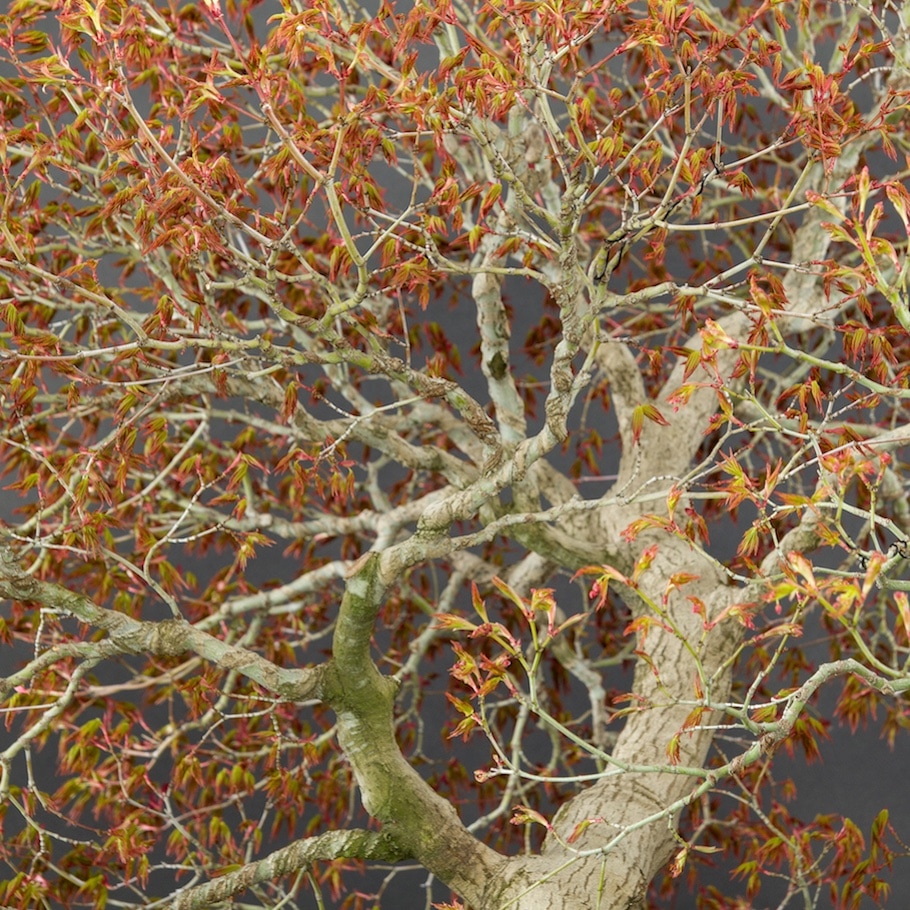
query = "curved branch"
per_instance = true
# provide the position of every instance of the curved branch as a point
(421, 822)
(168, 638)
(355, 844)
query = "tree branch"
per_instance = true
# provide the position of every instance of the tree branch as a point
(354, 844)
(168, 638)
(421, 822)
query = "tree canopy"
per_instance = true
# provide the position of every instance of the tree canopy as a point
(428, 430)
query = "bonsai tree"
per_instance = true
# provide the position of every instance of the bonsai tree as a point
(428, 430)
